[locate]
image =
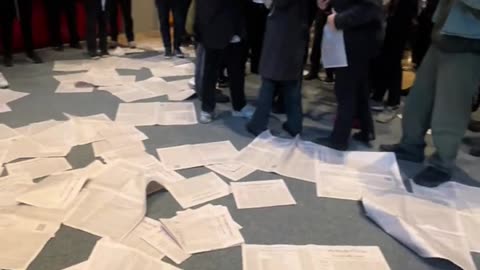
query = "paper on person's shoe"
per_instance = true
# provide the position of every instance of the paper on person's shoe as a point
(433, 229)
(334, 54)
(108, 254)
(258, 194)
(24, 231)
(197, 190)
(262, 257)
(135, 239)
(195, 155)
(162, 241)
(38, 167)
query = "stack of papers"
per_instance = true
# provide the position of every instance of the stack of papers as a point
(258, 257)
(257, 194)
(157, 113)
(196, 155)
(109, 254)
(197, 190)
(204, 229)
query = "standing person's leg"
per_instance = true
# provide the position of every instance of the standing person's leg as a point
(128, 21)
(25, 10)
(163, 8)
(292, 92)
(7, 15)
(259, 121)
(102, 29)
(91, 8)
(113, 20)
(199, 68)
(209, 80)
(315, 54)
(364, 114)
(236, 73)
(417, 114)
(457, 82)
(70, 8)
(179, 17)
(256, 24)
(53, 9)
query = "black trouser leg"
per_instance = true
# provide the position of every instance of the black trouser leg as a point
(92, 8)
(113, 18)
(212, 63)
(329, 72)
(7, 15)
(351, 90)
(53, 20)
(102, 30)
(179, 17)
(292, 92)
(259, 121)
(316, 53)
(126, 6)
(25, 10)
(163, 8)
(199, 68)
(256, 23)
(70, 8)
(236, 73)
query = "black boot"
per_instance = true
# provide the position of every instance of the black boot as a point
(431, 177)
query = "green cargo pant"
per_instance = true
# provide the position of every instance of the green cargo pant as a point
(441, 99)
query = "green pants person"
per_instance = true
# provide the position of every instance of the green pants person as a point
(441, 97)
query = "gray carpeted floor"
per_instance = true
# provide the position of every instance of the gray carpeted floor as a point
(312, 221)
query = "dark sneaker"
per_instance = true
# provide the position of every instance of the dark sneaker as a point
(431, 177)
(168, 53)
(8, 60)
(34, 58)
(364, 138)
(179, 53)
(329, 80)
(327, 141)
(401, 153)
(94, 55)
(76, 45)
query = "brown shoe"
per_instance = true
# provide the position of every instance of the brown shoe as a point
(474, 126)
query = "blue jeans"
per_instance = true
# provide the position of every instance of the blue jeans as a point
(291, 91)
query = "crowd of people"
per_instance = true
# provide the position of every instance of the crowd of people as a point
(273, 36)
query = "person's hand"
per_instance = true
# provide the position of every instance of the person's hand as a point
(331, 20)
(323, 4)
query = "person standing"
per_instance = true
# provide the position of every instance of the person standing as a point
(256, 22)
(281, 64)
(424, 31)
(22, 10)
(54, 13)
(220, 28)
(96, 17)
(361, 22)
(388, 71)
(316, 53)
(177, 7)
(441, 96)
(126, 7)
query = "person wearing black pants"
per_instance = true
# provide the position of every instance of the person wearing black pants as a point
(54, 12)
(361, 22)
(96, 16)
(256, 21)
(220, 28)
(281, 65)
(316, 54)
(126, 6)
(9, 9)
(179, 9)
(387, 72)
